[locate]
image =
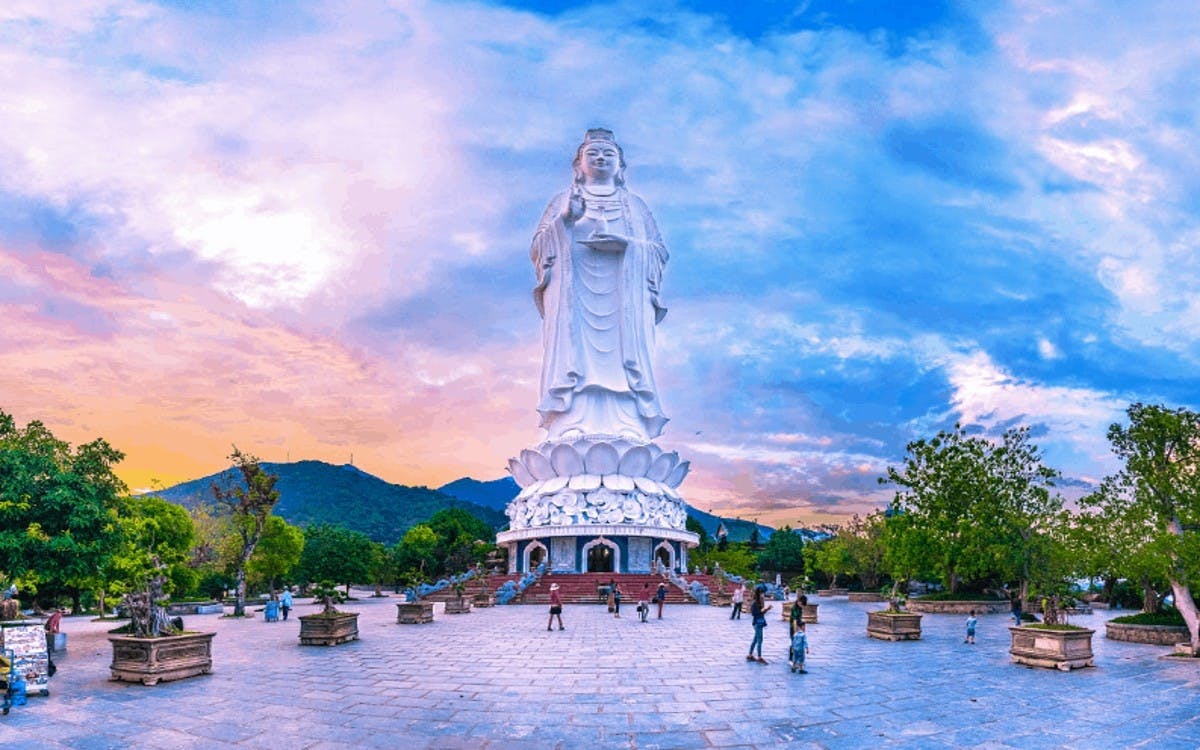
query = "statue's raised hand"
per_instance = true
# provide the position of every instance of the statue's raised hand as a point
(575, 207)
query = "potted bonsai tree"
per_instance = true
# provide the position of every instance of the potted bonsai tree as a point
(459, 605)
(904, 543)
(154, 647)
(414, 610)
(1052, 643)
(330, 626)
(484, 597)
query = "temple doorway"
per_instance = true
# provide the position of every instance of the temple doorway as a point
(537, 555)
(600, 559)
(663, 556)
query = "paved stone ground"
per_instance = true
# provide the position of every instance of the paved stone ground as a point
(496, 679)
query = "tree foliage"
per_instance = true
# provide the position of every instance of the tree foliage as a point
(58, 520)
(277, 553)
(783, 553)
(337, 554)
(1161, 451)
(250, 503)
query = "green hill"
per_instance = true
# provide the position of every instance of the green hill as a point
(312, 492)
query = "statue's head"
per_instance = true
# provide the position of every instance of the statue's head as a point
(599, 135)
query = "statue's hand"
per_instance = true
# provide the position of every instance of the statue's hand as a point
(575, 207)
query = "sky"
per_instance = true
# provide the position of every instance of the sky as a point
(303, 228)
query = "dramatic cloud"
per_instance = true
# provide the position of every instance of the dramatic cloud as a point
(304, 228)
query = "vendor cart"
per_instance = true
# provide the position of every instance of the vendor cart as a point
(26, 641)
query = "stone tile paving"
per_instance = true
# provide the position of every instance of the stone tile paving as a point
(496, 678)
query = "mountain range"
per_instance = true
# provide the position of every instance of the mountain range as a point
(312, 492)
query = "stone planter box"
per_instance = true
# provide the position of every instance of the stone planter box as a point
(328, 630)
(414, 613)
(894, 626)
(483, 600)
(195, 608)
(154, 660)
(1053, 649)
(1157, 635)
(458, 606)
(719, 599)
(925, 606)
(833, 592)
(866, 596)
(808, 613)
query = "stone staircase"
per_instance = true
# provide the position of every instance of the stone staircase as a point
(583, 588)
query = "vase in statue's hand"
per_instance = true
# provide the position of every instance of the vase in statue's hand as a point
(613, 243)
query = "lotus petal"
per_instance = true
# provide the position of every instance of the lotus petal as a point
(678, 473)
(566, 460)
(635, 461)
(601, 458)
(525, 493)
(584, 482)
(538, 465)
(661, 467)
(617, 482)
(670, 492)
(655, 451)
(554, 484)
(612, 515)
(649, 486)
(519, 473)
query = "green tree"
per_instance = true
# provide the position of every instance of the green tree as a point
(737, 558)
(58, 519)
(155, 536)
(337, 554)
(415, 553)
(1161, 451)
(862, 537)
(1025, 514)
(1112, 538)
(830, 556)
(277, 553)
(250, 503)
(463, 540)
(783, 553)
(948, 488)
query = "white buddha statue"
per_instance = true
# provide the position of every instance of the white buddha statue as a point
(599, 261)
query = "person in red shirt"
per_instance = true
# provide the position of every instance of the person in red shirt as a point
(555, 608)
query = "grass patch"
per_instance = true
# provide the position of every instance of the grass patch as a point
(1151, 618)
(961, 596)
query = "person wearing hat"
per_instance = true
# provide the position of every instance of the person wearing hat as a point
(555, 608)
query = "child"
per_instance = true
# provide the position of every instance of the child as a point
(971, 628)
(799, 648)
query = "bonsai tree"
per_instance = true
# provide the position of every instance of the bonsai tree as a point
(328, 595)
(147, 612)
(250, 502)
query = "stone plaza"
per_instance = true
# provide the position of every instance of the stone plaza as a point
(495, 678)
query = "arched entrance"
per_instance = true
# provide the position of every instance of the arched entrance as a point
(664, 555)
(535, 555)
(601, 556)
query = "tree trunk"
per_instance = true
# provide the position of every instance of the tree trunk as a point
(1149, 596)
(1183, 594)
(1110, 588)
(239, 592)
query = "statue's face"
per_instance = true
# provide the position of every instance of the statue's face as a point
(600, 160)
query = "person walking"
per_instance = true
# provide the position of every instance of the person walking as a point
(616, 600)
(643, 605)
(739, 596)
(285, 602)
(661, 596)
(555, 608)
(758, 617)
(971, 628)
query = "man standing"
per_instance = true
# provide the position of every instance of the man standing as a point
(285, 601)
(661, 596)
(739, 596)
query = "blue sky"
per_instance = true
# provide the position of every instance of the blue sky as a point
(304, 227)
